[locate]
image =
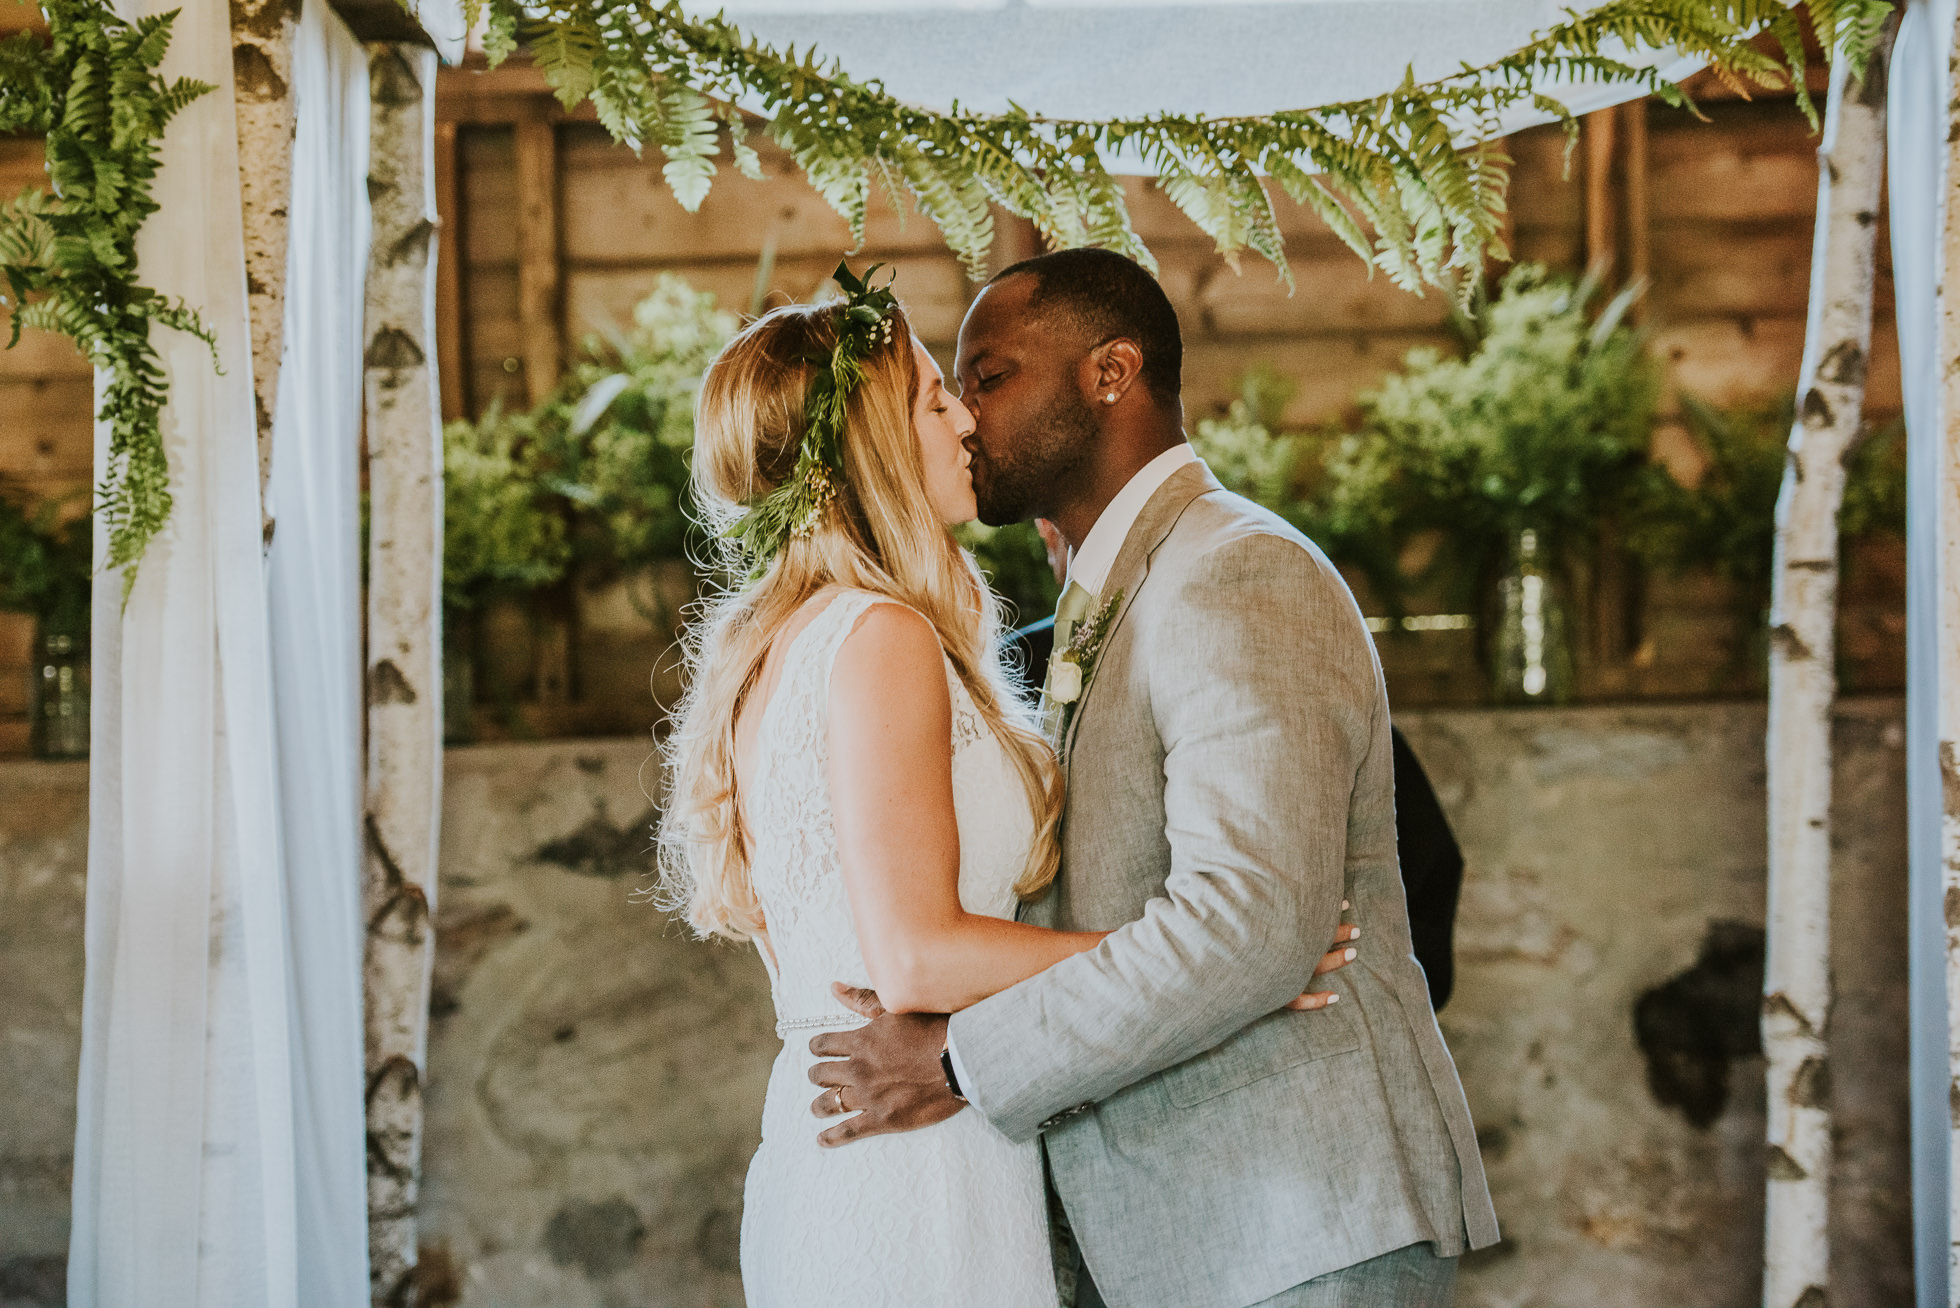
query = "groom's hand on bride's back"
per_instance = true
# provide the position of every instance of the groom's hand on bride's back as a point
(887, 1072)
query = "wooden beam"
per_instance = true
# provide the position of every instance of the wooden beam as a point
(437, 24)
(540, 308)
(21, 16)
(1610, 611)
(512, 92)
(452, 342)
(539, 271)
(1602, 226)
(1507, 231)
(1638, 219)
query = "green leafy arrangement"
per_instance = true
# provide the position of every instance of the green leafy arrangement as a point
(593, 481)
(44, 562)
(1247, 452)
(69, 255)
(1726, 522)
(1875, 485)
(1385, 173)
(499, 532)
(1543, 425)
(619, 456)
(1362, 512)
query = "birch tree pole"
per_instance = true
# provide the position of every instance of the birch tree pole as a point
(1803, 686)
(404, 656)
(262, 84)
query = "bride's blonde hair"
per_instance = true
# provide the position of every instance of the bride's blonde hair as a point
(880, 534)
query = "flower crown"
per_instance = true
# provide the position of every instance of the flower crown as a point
(794, 508)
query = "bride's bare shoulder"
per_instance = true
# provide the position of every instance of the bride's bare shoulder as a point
(892, 655)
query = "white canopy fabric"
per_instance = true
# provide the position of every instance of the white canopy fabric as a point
(1100, 59)
(313, 579)
(183, 1107)
(219, 1138)
(1916, 173)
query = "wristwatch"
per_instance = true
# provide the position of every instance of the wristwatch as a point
(946, 1066)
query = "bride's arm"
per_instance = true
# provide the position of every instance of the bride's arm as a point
(891, 794)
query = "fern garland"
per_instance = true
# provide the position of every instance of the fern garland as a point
(1386, 174)
(69, 254)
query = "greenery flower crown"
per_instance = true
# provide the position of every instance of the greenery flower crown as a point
(794, 508)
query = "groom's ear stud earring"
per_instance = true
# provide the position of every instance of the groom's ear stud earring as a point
(1110, 398)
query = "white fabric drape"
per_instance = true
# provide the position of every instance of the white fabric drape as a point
(1916, 154)
(314, 578)
(187, 1149)
(183, 1159)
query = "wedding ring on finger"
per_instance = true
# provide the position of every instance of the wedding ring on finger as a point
(837, 1099)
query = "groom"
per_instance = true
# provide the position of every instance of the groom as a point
(1229, 784)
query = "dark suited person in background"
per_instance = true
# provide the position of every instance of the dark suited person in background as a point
(1432, 864)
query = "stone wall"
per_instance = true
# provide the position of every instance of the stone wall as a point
(595, 1077)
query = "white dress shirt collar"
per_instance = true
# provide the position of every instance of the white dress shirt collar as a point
(1089, 566)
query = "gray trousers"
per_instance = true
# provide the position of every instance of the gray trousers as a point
(1410, 1277)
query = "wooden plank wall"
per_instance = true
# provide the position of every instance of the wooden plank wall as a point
(551, 232)
(1716, 214)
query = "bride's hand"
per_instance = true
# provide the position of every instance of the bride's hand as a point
(1333, 960)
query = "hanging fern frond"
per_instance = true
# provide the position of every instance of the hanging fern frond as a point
(69, 253)
(690, 143)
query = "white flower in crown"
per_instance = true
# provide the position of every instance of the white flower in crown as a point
(1065, 685)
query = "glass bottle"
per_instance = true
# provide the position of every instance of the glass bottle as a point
(1531, 656)
(58, 694)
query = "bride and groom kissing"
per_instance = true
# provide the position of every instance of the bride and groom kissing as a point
(1118, 895)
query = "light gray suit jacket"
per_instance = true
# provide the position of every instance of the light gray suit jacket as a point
(1230, 782)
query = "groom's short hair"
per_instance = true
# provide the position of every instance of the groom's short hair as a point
(1103, 295)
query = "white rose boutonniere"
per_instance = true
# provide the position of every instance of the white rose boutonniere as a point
(1070, 670)
(1065, 687)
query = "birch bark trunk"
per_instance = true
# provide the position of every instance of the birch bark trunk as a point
(262, 85)
(404, 655)
(1803, 688)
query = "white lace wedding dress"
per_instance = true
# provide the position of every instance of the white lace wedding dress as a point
(952, 1216)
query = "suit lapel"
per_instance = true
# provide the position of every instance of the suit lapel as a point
(1160, 513)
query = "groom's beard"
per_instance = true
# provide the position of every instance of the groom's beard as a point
(1026, 475)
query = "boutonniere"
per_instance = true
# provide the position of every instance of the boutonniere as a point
(1068, 675)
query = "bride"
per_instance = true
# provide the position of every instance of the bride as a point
(855, 785)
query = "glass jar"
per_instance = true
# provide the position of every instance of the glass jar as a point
(57, 694)
(1531, 654)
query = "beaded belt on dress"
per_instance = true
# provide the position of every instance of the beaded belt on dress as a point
(832, 1021)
